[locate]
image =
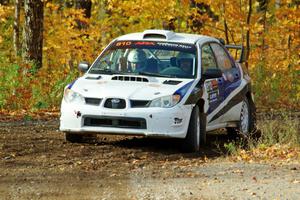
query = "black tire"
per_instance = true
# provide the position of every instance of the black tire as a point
(73, 138)
(196, 133)
(233, 133)
(81, 138)
(202, 128)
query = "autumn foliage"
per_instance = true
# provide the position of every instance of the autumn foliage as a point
(70, 37)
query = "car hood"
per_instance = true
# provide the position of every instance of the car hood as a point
(105, 87)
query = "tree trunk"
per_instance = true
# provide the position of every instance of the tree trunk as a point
(248, 32)
(263, 8)
(86, 5)
(264, 21)
(34, 18)
(225, 23)
(17, 27)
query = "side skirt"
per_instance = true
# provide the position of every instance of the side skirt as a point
(221, 125)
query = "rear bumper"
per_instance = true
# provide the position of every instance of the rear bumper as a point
(152, 122)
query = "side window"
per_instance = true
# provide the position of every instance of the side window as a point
(207, 58)
(224, 62)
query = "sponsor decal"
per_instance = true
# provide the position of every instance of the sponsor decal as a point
(212, 97)
(214, 84)
(212, 90)
(154, 45)
(145, 43)
(174, 45)
(211, 86)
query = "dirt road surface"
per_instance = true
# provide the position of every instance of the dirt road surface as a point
(37, 163)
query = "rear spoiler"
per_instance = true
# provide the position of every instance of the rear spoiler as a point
(241, 48)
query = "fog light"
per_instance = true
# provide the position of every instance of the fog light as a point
(177, 120)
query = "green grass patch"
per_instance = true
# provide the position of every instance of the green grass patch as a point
(280, 138)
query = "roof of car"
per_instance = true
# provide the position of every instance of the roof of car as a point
(167, 36)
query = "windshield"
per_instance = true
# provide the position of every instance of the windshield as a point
(160, 59)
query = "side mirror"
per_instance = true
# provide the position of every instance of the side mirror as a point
(83, 66)
(212, 73)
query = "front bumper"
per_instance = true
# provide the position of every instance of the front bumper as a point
(152, 122)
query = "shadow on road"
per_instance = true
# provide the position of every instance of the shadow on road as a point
(214, 147)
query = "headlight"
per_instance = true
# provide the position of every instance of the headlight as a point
(171, 100)
(166, 101)
(71, 96)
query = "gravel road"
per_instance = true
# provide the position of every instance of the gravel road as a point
(37, 163)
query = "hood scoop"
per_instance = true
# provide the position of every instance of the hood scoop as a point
(93, 77)
(130, 78)
(171, 82)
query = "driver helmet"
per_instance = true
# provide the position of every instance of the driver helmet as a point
(185, 61)
(136, 59)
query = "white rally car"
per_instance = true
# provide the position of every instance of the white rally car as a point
(160, 84)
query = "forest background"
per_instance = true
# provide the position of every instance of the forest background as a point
(42, 42)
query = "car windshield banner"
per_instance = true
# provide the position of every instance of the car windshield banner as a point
(189, 48)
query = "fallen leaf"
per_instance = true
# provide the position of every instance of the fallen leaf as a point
(296, 181)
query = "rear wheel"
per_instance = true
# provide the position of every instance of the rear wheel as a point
(246, 126)
(247, 118)
(196, 134)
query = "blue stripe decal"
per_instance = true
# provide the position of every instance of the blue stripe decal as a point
(183, 90)
(225, 88)
(71, 84)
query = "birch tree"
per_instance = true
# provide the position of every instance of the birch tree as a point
(16, 35)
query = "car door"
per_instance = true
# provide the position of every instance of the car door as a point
(228, 84)
(211, 88)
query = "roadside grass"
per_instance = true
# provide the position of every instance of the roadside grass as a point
(279, 140)
(284, 130)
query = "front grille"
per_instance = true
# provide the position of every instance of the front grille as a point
(130, 78)
(115, 103)
(93, 101)
(115, 122)
(138, 103)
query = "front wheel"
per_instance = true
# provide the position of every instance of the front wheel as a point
(73, 138)
(196, 133)
(80, 138)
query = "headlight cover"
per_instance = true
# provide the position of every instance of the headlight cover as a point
(70, 96)
(171, 100)
(165, 101)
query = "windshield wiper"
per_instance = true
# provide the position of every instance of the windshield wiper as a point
(155, 74)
